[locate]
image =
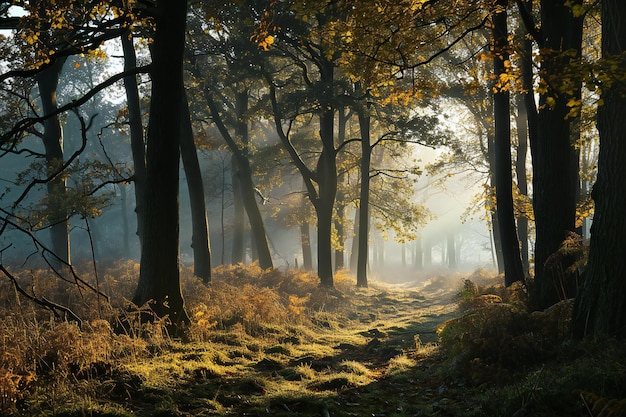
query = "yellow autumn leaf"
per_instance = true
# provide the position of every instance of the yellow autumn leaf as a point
(550, 101)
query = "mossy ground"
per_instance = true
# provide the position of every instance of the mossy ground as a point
(268, 343)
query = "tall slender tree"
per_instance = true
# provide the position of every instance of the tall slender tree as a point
(199, 222)
(513, 270)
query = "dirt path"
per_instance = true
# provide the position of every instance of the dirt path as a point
(391, 334)
(370, 356)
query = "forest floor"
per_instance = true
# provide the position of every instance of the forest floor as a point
(375, 352)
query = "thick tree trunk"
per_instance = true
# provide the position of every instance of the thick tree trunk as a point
(199, 223)
(366, 156)
(513, 270)
(159, 277)
(600, 308)
(555, 159)
(327, 174)
(137, 143)
(48, 80)
(327, 184)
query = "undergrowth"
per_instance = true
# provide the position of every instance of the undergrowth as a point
(48, 363)
(269, 342)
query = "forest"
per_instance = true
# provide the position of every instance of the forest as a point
(312, 208)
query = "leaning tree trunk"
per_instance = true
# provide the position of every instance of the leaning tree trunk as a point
(159, 277)
(199, 223)
(600, 308)
(513, 270)
(242, 175)
(48, 80)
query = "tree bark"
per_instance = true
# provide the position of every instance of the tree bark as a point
(200, 242)
(364, 195)
(327, 176)
(48, 80)
(159, 277)
(600, 308)
(513, 270)
(555, 159)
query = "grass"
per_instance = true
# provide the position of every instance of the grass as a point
(273, 343)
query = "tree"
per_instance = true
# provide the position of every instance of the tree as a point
(199, 222)
(159, 278)
(513, 270)
(600, 310)
(554, 156)
(52, 138)
(137, 143)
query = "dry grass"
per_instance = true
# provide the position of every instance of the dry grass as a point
(274, 343)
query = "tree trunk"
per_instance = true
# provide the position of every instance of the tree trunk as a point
(340, 218)
(159, 277)
(451, 251)
(47, 81)
(495, 224)
(339, 229)
(327, 185)
(354, 250)
(522, 181)
(600, 308)
(242, 176)
(513, 270)
(238, 216)
(257, 227)
(555, 159)
(364, 196)
(137, 143)
(419, 254)
(199, 223)
(124, 214)
(305, 237)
